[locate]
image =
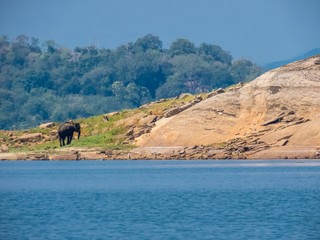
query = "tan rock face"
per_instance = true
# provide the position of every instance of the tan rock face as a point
(47, 125)
(148, 120)
(281, 108)
(4, 148)
(31, 137)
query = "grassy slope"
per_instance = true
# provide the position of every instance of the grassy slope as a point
(96, 132)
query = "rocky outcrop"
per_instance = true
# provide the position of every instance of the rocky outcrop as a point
(176, 110)
(47, 125)
(280, 110)
(235, 149)
(109, 115)
(64, 156)
(138, 125)
(215, 92)
(148, 120)
(31, 137)
(4, 148)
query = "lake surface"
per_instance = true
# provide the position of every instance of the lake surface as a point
(160, 199)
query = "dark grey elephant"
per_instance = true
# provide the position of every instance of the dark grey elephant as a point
(66, 130)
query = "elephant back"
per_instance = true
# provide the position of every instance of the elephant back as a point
(66, 127)
(69, 126)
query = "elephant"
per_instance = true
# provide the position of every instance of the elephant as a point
(66, 130)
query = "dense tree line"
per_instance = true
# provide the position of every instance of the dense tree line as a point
(45, 82)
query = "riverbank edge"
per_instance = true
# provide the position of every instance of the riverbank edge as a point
(163, 153)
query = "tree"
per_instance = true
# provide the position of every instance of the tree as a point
(22, 40)
(4, 41)
(35, 45)
(214, 53)
(51, 46)
(95, 80)
(8, 76)
(193, 71)
(182, 46)
(220, 75)
(244, 70)
(149, 70)
(174, 86)
(20, 50)
(148, 42)
(36, 79)
(136, 95)
(118, 90)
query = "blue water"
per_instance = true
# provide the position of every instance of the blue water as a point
(160, 199)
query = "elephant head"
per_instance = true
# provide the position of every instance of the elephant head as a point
(77, 128)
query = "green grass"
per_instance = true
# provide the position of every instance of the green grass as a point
(160, 108)
(109, 139)
(37, 147)
(98, 132)
(112, 139)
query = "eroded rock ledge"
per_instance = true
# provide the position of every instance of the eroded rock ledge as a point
(235, 149)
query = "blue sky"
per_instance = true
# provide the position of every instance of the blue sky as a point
(261, 30)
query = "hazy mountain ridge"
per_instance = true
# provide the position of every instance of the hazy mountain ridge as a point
(276, 64)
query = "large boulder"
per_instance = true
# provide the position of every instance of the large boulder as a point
(47, 125)
(4, 148)
(30, 137)
(107, 116)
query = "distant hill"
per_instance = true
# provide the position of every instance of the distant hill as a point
(277, 64)
(51, 83)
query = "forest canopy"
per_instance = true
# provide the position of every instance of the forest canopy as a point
(42, 82)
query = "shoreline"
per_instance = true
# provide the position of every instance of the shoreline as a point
(163, 153)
